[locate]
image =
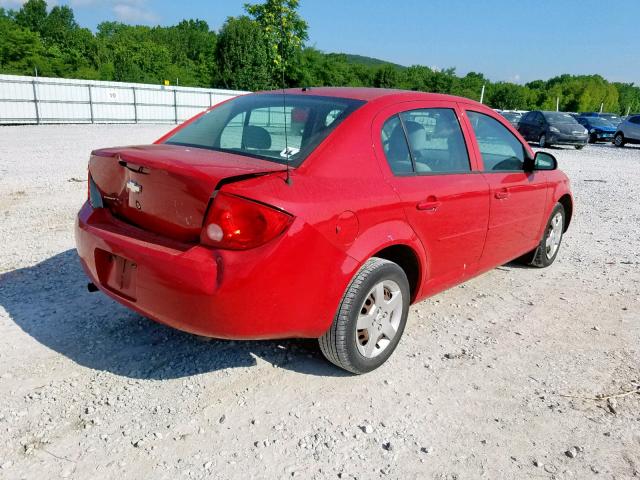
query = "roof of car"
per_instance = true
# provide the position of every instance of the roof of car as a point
(369, 94)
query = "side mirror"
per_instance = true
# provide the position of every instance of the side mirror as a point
(544, 161)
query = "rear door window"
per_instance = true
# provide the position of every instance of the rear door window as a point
(425, 141)
(396, 149)
(436, 140)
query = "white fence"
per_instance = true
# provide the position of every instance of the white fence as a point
(57, 100)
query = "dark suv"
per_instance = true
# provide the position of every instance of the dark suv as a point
(552, 128)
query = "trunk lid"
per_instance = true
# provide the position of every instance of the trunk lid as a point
(165, 189)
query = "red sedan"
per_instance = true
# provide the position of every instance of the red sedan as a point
(321, 213)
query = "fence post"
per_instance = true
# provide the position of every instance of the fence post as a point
(175, 104)
(135, 105)
(35, 101)
(90, 103)
(210, 100)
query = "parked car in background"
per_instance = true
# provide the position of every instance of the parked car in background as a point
(611, 117)
(600, 130)
(628, 131)
(232, 226)
(512, 117)
(552, 128)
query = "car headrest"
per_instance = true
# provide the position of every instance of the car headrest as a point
(417, 135)
(256, 137)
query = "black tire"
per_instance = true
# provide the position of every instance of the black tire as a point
(593, 138)
(338, 344)
(618, 140)
(538, 257)
(579, 147)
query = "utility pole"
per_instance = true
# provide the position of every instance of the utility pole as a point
(482, 94)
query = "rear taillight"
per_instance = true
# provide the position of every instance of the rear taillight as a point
(236, 223)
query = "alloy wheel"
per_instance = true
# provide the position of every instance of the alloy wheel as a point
(554, 235)
(618, 140)
(379, 318)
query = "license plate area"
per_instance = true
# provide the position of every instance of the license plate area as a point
(117, 274)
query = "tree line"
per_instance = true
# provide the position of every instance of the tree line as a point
(260, 50)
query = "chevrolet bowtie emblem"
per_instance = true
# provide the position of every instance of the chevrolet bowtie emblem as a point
(134, 187)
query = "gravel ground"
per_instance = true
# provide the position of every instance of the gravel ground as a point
(496, 378)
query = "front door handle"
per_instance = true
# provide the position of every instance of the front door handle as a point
(431, 204)
(502, 194)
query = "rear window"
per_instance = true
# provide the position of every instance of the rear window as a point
(268, 126)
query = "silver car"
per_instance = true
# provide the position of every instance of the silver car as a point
(628, 131)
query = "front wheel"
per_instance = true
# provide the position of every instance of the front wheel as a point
(618, 140)
(547, 250)
(542, 141)
(370, 319)
(579, 147)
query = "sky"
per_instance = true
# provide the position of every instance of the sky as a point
(517, 40)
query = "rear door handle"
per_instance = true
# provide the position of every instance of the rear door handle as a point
(431, 204)
(502, 194)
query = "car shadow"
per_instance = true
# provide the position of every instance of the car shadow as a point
(50, 302)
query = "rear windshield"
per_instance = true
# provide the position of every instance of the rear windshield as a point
(255, 125)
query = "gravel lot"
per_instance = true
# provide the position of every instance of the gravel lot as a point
(497, 378)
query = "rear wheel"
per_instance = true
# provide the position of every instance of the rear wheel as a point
(579, 147)
(370, 319)
(547, 250)
(618, 140)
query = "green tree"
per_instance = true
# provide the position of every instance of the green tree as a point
(469, 86)
(628, 97)
(417, 77)
(20, 49)
(386, 76)
(252, 53)
(32, 15)
(283, 29)
(508, 96)
(243, 61)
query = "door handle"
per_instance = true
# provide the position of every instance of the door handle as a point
(502, 194)
(431, 204)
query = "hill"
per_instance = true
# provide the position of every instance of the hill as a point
(368, 61)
